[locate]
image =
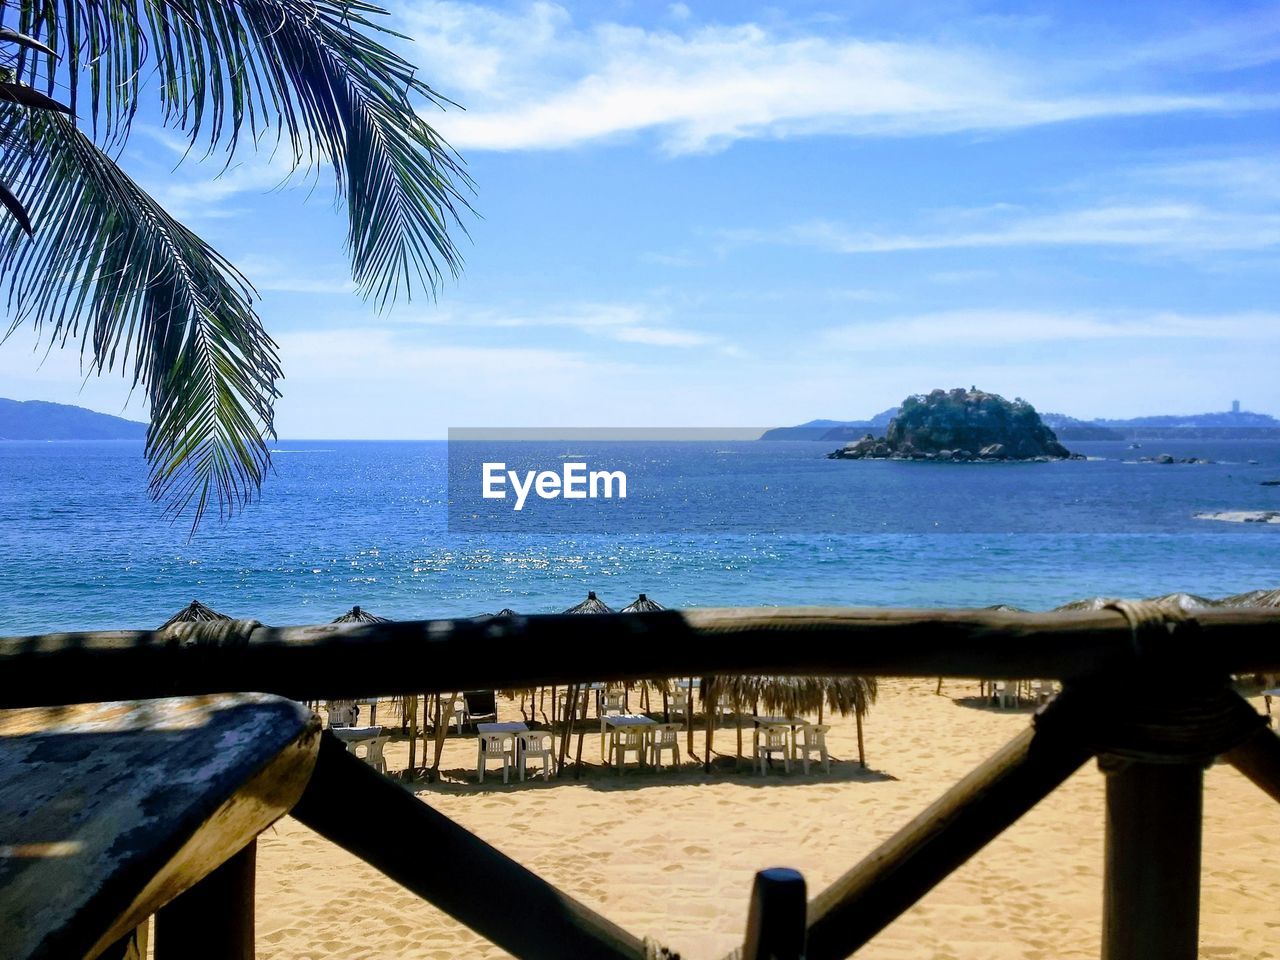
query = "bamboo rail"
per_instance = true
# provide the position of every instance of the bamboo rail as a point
(1145, 691)
(406, 657)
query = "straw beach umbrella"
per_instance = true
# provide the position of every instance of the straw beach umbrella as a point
(792, 696)
(408, 704)
(359, 615)
(195, 612)
(642, 604)
(591, 605)
(1254, 598)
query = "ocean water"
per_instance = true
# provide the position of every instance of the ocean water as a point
(706, 524)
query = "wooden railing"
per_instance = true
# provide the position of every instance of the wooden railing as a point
(1147, 690)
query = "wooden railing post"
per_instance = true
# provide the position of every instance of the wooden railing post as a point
(776, 919)
(213, 920)
(956, 826)
(1152, 884)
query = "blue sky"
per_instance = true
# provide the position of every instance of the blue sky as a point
(736, 213)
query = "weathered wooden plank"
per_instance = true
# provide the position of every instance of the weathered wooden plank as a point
(357, 660)
(385, 825)
(109, 811)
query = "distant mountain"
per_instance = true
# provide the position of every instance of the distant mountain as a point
(1070, 428)
(832, 429)
(38, 420)
(1227, 424)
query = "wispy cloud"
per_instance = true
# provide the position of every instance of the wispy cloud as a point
(194, 190)
(273, 273)
(620, 322)
(537, 80)
(1171, 226)
(975, 328)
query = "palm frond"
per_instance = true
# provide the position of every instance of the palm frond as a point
(314, 71)
(109, 267)
(317, 74)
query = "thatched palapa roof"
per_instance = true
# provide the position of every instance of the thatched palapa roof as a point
(359, 615)
(1253, 598)
(642, 604)
(793, 696)
(1188, 601)
(195, 612)
(592, 604)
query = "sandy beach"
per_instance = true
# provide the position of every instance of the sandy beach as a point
(671, 855)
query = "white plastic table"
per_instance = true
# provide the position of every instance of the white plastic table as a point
(348, 735)
(619, 720)
(509, 726)
(795, 723)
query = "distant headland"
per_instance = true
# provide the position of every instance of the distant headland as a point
(960, 425)
(1233, 424)
(40, 420)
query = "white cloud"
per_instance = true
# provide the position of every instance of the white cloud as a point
(1161, 225)
(193, 189)
(953, 329)
(621, 322)
(272, 273)
(536, 80)
(661, 337)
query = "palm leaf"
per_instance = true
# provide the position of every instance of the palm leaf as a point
(142, 292)
(315, 73)
(31, 43)
(16, 209)
(19, 93)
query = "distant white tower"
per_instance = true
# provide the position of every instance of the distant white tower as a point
(1235, 406)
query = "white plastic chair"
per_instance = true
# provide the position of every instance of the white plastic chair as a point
(563, 707)
(611, 705)
(666, 736)
(772, 738)
(342, 713)
(626, 740)
(535, 744)
(496, 746)
(1007, 693)
(1045, 691)
(372, 754)
(679, 704)
(457, 714)
(815, 741)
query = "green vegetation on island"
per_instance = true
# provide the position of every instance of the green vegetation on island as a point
(960, 425)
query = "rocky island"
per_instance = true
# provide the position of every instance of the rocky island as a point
(960, 425)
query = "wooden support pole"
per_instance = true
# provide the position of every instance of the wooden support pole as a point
(1258, 758)
(688, 719)
(492, 894)
(570, 716)
(213, 920)
(1151, 890)
(711, 732)
(775, 919)
(862, 749)
(956, 826)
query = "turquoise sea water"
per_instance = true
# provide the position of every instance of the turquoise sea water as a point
(343, 523)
